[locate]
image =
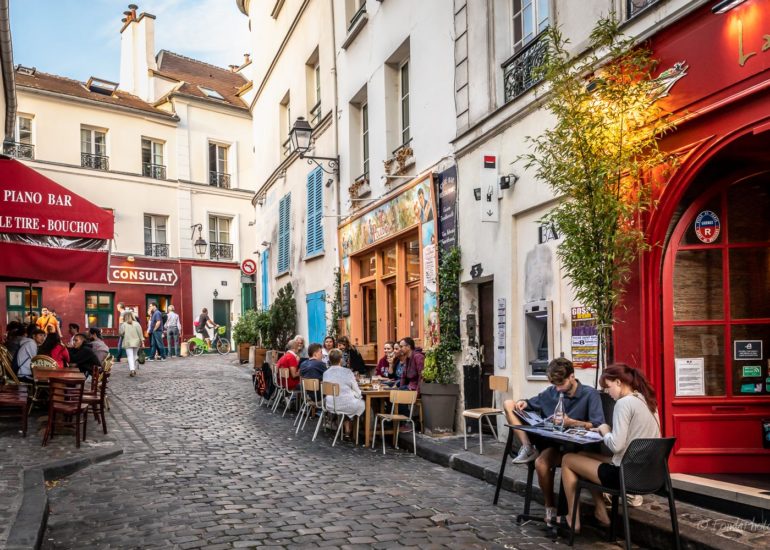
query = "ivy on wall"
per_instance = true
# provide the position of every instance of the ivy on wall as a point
(439, 361)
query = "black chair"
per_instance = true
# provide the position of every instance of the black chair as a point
(608, 407)
(643, 471)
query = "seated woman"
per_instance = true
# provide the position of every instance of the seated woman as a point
(635, 417)
(386, 366)
(350, 357)
(349, 400)
(52, 347)
(329, 344)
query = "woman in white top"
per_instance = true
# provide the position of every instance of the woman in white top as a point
(329, 344)
(133, 339)
(635, 417)
(349, 401)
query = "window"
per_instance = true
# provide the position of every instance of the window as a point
(365, 137)
(22, 146)
(285, 125)
(20, 303)
(404, 94)
(284, 235)
(356, 9)
(24, 129)
(315, 232)
(155, 243)
(93, 149)
(213, 94)
(152, 159)
(220, 247)
(315, 111)
(218, 175)
(99, 309)
(104, 87)
(530, 18)
(635, 7)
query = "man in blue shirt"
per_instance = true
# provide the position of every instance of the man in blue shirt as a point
(582, 409)
(156, 333)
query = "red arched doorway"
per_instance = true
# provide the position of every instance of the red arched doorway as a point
(716, 315)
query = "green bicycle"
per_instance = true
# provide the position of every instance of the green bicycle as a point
(197, 345)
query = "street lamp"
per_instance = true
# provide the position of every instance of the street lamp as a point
(200, 243)
(301, 135)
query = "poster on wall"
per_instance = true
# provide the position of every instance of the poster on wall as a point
(690, 379)
(585, 339)
(500, 348)
(430, 286)
(447, 208)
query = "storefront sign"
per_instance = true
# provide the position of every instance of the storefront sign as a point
(345, 300)
(690, 380)
(707, 226)
(753, 371)
(585, 339)
(500, 351)
(142, 276)
(248, 266)
(490, 209)
(447, 208)
(747, 349)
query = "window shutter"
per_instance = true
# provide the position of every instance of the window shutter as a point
(284, 241)
(319, 210)
(315, 240)
(265, 278)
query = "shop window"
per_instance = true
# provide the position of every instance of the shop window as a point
(415, 305)
(390, 259)
(284, 235)
(20, 302)
(392, 297)
(368, 265)
(707, 342)
(749, 375)
(749, 283)
(747, 203)
(698, 285)
(370, 314)
(99, 309)
(314, 218)
(412, 260)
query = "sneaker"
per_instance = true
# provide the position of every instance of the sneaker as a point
(405, 430)
(635, 500)
(132, 373)
(527, 453)
(150, 360)
(162, 359)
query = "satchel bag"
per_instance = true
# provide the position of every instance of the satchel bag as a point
(141, 356)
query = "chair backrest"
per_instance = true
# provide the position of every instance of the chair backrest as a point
(332, 389)
(311, 384)
(65, 392)
(107, 363)
(644, 468)
(283, 377)
(7, 366)
(498, 385)
(402, 397)
(608, 407)
(43, 362)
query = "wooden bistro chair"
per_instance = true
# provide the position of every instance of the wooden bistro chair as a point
(332, 390)
(41, 362)
(66, 398)
(312, 400)
(280, 391)
(397, 397)
(96, 398)
(498, 384)
(289, 396)
(643, 471)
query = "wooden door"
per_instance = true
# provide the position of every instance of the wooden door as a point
(487, 340)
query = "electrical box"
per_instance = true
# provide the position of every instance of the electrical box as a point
(538, 340)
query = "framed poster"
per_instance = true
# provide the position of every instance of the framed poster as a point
(585, 339)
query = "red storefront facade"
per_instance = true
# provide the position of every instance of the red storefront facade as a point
(701, 298)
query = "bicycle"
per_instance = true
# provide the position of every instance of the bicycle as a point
(197, 345)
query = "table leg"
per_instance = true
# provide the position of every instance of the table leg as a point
(506, 452)
(368, 422)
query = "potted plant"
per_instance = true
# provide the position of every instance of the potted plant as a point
(283, 318)
(246, 333)
(263, 319)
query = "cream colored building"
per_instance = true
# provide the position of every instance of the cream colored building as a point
(169, 149)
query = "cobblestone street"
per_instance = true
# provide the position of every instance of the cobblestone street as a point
(203, 467)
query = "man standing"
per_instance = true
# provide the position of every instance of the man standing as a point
(173, 327)
(47, 322)
(156, 333)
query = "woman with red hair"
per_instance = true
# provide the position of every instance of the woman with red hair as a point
(635, 417)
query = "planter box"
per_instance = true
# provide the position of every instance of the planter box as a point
(243, 352)
(260, 355)
(439, 404)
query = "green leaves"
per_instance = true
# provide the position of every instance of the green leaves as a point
(283, 318)
(439, 361)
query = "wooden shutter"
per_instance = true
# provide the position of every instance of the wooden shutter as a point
(284, 241)
(265, 278)
(315, 237)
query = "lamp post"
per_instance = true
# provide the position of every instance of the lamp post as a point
(301, 135)
(200, 243)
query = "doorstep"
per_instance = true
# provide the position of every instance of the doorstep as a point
(734, 494)
(699, 528)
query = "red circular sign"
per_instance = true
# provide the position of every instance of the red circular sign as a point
(249, 267)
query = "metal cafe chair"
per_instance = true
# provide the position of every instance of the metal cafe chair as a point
(397, 397)
(289, 395)
(310, 386)
(332, 390)
(496, 384)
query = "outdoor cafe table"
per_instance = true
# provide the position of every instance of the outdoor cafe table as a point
(370, 395)
(43, 375)
(574, 442)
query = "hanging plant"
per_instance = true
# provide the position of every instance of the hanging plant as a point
(440, 360)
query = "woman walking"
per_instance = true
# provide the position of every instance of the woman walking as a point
(133, 338)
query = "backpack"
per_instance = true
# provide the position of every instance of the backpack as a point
(15, 362)
(259, 383)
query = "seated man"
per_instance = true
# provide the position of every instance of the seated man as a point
(81, 355)
(97, 345)
(314, 367)
(582, 409)
(22, 360)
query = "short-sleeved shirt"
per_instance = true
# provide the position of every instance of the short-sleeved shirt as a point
(44, 323)
(203, 321)
(157, 317)
(585, 405)
(287, 361)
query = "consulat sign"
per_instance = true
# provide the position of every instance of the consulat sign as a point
(142, 275)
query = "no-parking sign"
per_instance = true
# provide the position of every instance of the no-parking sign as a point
(249, 266)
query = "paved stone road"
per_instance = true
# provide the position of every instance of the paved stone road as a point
(204, 467)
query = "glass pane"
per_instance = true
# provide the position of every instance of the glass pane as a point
(91, 301)
(390, 261)
(698, 285)
(368, 265)
(104, 320)
(157, 153)
(15, 298)
(92, 320)
(750, 283)
(213, 229)
(25, 130)
(414, 311)
(413, 261)
(105, 301)
(85, 141)
(160, 230)
(100, 139)
(542, 15)
(146, 155)
(370, 315)
(212, 157)
(706, 343)
(35, 299)
(706, 228)
(392, 313)
(748, 209)
(750, 373)
(147, 229)
(528, 18)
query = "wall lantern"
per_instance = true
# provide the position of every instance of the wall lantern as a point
(725, 5)
(200, 243)
(301, 135)
(216, 293)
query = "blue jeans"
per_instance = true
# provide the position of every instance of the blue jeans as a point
(173, 341)
(156, 338)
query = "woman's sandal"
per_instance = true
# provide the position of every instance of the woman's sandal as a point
(562, 524)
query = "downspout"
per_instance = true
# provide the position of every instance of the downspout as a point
(335, 120)
(9, 80)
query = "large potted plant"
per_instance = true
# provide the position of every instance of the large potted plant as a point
(439, 390)
(283, 318)
(263, 319)
(246, 333)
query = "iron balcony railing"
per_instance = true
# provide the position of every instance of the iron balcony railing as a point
(220, 251)
(19, 150)
(157, 171)
(635, 7)
(356, 16)
(520, 72)
(219, 179)
(97, 162)
(157, 250)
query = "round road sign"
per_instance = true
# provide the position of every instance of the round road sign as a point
(249, 267)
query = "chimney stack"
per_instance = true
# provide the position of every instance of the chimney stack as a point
(233, 68)
(246, 58)
(137, 52)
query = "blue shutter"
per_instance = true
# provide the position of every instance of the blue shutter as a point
(315, 237)
(316, 316)
(265, 278)
(284, 241)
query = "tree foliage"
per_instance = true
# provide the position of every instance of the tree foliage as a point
(598, 157)
(439, 361)
(283, 318)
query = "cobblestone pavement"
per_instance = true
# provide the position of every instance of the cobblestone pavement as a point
(204, 467)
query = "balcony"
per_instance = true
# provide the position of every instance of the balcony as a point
(635, 7)
(156, 250)
(219, 179)
(220, 251)
(19, 150)
(96, 162)
(520, 72)
(156, 171)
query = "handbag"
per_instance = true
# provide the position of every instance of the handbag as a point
(141, 357)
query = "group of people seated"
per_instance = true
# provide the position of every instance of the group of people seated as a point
(84, 350)
(634, 416)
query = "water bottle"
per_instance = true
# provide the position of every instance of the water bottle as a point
(558, 414)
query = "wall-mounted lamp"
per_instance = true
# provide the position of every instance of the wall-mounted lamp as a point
(508, 181)
(130, 259)
(266, 244)
(216, 293)
(477, 193)
(200, 243)
(725, 5)
(301, 134)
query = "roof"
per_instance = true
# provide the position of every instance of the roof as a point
(74, 88)
(193, 75)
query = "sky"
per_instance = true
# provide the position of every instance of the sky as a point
(81, 38)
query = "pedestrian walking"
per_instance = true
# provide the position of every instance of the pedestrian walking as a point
(121, 313)
(173, 328)
(133, 339)
(156, 333)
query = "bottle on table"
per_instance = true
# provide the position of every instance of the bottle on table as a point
(558, 414)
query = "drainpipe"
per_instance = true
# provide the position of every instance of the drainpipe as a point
(335, 120)
(9, 80)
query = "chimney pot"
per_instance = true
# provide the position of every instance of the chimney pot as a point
(124, 20)
(246, 57)
(133, 7)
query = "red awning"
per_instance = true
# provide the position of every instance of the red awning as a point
(47, 232)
